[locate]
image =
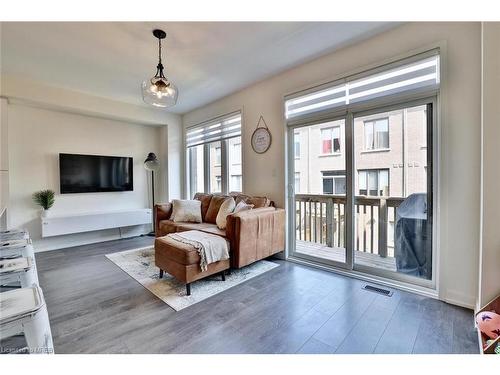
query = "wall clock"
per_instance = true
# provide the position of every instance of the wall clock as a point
(261, 137)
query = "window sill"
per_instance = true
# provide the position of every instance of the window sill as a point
(376, 150)
(332, 154)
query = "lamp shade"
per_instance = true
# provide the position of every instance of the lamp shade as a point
(151, 163)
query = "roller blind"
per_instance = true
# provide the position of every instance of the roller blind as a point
(411, 75)
(223, 127)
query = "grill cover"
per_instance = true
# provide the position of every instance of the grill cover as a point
(412, 250)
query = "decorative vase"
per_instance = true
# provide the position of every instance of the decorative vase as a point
(45, 213)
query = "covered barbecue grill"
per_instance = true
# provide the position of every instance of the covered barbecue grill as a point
(412, 246)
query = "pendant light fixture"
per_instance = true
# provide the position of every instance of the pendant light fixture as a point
(159, 91)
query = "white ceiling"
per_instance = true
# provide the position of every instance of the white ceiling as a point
(206, 61)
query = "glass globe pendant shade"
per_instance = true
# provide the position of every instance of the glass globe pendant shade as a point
(159, 92)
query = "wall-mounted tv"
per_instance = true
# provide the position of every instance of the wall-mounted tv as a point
(95, 173)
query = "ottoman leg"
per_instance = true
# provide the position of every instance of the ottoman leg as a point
(161, 273)
(188, 289)
(223, 275)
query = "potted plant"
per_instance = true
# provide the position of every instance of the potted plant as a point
(45, 199)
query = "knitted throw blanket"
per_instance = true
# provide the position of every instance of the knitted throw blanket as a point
(210, 247)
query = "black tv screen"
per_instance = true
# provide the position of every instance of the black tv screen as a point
(93, 173)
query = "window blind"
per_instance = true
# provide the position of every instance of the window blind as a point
(224, 127)
(406, 77)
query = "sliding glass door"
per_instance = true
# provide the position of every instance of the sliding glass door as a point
(361, 191)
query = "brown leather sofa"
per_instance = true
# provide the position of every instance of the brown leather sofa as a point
(253, 235)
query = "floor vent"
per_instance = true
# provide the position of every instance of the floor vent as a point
(384, 292)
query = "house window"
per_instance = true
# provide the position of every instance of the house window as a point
(334, 182)
(377, 134)
(215, 168)
(373, 182)
(330, 140)
(218, 184)
(235, 183)
(234, 164)
(236, 153)
(296, 145)
(297, 182)
(196, 170)
(214, 155)
(218, 160)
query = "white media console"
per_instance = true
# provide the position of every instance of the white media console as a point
(58, 225)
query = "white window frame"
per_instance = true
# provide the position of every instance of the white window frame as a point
(225, 157)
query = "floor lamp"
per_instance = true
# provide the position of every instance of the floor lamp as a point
(152, 164)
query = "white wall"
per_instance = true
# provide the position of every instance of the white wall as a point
(490, 219)
(47, 121)
(460, 134)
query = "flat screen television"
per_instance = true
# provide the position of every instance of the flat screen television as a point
(95, 173)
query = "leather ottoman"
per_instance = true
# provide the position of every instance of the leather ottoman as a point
(182, 261)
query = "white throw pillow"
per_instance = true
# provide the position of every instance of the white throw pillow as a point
(186, 211)
(226, 208)
(242, 206)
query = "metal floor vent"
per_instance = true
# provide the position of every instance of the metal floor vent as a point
(384, 292)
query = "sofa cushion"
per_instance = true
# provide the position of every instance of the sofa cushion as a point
(186, 210)
(226, 208)
(205, 203)
(202, 227)
(213, 209)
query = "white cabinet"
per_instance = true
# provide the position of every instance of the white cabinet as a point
(87, 222)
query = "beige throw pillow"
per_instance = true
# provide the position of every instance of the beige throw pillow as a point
(186, 211)
(226, 208)
(242, 206)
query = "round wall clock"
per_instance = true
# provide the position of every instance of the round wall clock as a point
(261, 138)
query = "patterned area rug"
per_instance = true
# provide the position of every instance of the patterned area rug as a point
(140, 264)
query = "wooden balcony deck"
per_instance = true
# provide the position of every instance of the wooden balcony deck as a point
(338, 254)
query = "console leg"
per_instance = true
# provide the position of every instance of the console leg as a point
(223, 275)
(188, 289)
(161, 273)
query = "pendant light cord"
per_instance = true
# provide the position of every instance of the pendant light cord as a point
(159, 50)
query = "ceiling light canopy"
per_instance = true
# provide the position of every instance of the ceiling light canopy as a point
(159, 91)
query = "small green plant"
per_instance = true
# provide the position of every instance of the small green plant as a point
(44, 198)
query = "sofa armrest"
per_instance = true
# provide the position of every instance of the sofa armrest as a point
(161, 212)
(255, 234)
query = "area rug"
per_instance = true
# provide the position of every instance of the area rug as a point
(140, 265)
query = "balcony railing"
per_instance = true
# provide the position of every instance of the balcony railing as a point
(320, 218)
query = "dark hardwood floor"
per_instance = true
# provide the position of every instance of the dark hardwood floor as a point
(95, 307)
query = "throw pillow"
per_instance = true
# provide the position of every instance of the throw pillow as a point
(242, 206)
(186, 211)
(205, 203)
(213, 208)
(226, 208)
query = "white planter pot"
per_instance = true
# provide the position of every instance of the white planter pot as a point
(44, 213)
